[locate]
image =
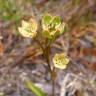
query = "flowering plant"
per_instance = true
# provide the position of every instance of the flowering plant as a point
(52, 28)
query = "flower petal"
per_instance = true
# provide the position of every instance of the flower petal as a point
(46, 21)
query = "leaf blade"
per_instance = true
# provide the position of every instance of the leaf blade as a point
(34, 88)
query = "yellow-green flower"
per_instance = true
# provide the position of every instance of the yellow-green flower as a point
(52, 26)
(60, 61)
(28, 29)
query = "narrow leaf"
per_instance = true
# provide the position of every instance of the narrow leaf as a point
(34, 88)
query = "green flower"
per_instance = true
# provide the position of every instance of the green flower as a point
(52, 26)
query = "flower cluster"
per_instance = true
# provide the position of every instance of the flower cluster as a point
(52, 26)
(60, 61)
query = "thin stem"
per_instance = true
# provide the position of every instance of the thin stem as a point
(53, 85)
(51, 70)
(47, 58)
(46, 53)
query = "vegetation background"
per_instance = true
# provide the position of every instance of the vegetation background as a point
(21, 56)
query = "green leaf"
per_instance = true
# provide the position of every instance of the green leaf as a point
(34, 88)
(46, 20)
(6, 17)
(56, 21)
